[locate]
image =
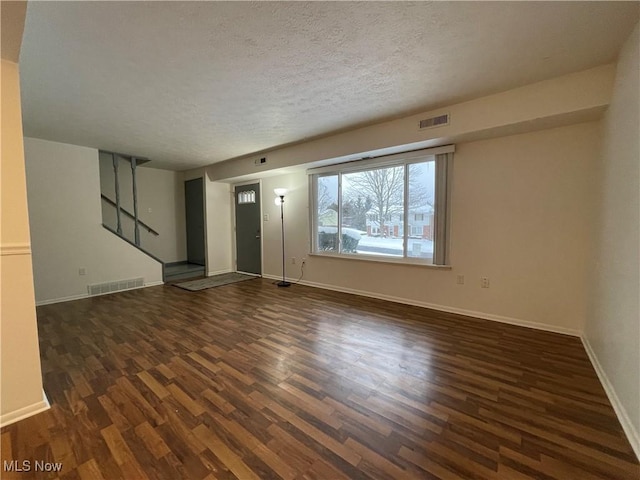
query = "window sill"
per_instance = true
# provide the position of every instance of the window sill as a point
(381, 259)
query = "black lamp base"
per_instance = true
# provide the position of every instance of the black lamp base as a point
(283, 284)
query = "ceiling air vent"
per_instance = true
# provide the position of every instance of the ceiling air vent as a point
(438, 121)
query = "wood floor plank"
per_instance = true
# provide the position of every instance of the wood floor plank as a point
(378, 461)
(293, 453)
(226, 455)
(152, 440)
(372, 423)
(89, 470)
(429, 465)
(261, 451)
(275, 462)
(314, 433)
(185, 400)
(62, 451)
(212, 367)
(321, 470)
(122, 453)
(220, 402)
(249, 381)
(155, 386)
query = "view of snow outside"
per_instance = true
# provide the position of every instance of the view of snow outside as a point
(372, 211)
(384, 246)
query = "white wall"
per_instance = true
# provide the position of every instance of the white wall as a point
(219, 230)
(63, 186)
(522, 215)
(565, 100)
(162, 192)
(160, 205)
(219, 224)
(613, 326)
(20, 374)
(536, 278)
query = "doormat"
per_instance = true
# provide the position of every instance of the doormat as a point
(215, 281)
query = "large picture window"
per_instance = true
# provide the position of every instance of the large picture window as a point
(390, 207)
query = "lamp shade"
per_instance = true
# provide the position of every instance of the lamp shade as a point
(281, 192)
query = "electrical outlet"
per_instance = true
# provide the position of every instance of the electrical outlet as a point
(484, 282)
(293, 260)
(460, 279)
(266, 217)
(82, 271)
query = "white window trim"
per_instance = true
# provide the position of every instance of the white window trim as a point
(416, 262)
(405, 159)
(377, 162)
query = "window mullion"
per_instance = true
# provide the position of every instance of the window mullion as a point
(405, 203)
(339, 230)
(313, 201)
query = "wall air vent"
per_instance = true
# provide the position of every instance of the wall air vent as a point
(432, 122)
(110, 287)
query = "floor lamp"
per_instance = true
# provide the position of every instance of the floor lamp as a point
(280, 193)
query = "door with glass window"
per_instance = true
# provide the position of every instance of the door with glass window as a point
(248, 229)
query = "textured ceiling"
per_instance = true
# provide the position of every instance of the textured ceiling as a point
(192, 83)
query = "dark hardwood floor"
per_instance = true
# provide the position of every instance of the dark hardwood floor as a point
(248, 381)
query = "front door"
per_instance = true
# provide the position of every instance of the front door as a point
(248, 229)
(194, 206)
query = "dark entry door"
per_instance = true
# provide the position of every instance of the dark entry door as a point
(194, 205)
(248, 228)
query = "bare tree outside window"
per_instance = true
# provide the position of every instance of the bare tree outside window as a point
(421, 176)
(325, 199)
(386, 211)
(383, 186)
(383, 189)
(327, 213)
(354, 210)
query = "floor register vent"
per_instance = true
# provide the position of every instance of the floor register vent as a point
(109, 287)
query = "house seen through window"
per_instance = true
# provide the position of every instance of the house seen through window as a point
(381, 211)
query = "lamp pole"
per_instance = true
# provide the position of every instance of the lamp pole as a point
(280, 192)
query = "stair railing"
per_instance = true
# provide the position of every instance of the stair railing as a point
(128, 215)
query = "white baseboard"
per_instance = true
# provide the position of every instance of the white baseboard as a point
(51, 301)
(25, 412)
(61, 299)
(219, 272)
(632, 434)
(442, 308)
(257, 275)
